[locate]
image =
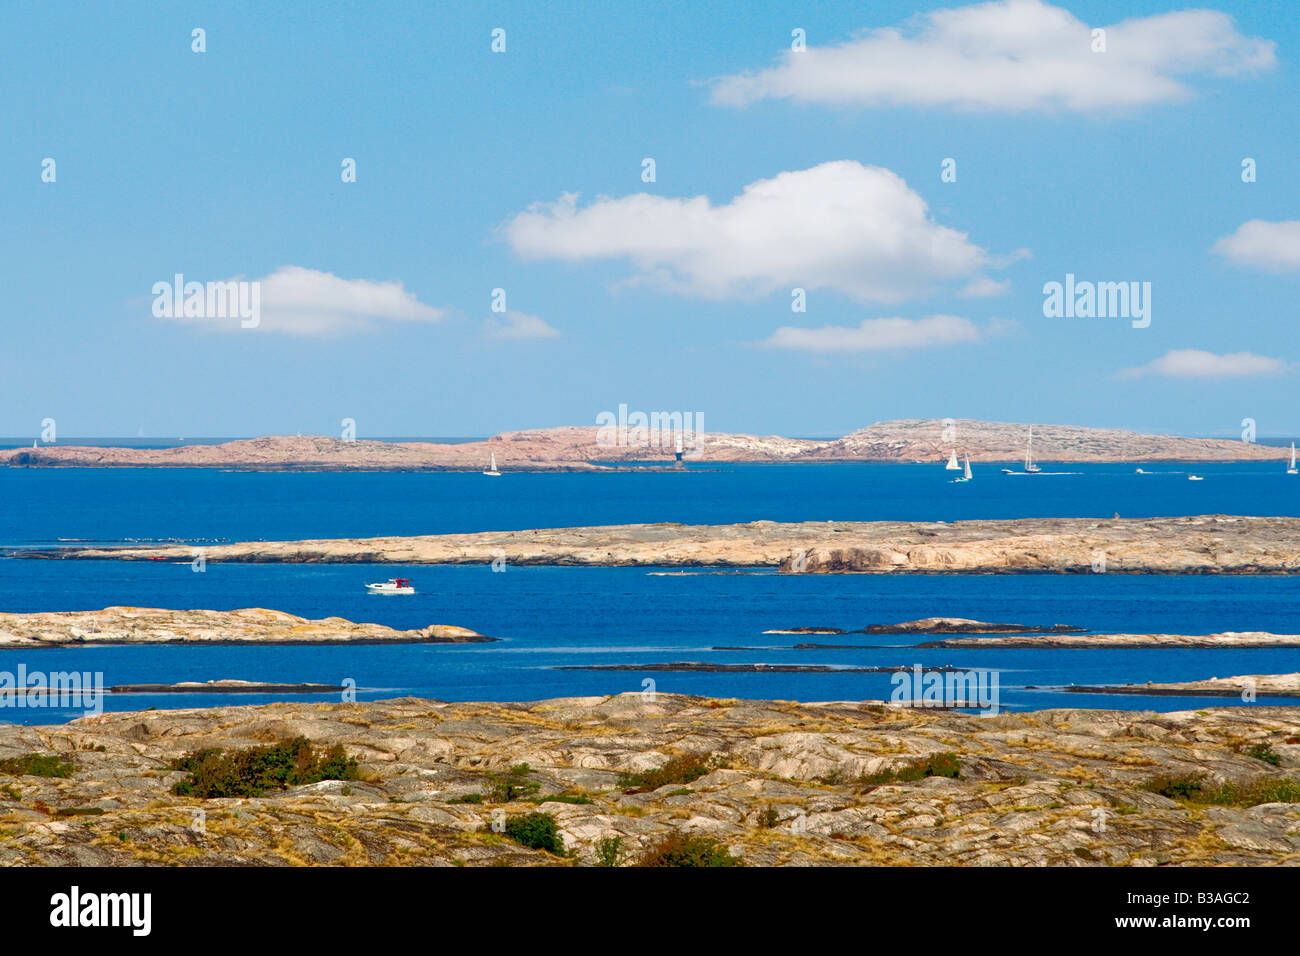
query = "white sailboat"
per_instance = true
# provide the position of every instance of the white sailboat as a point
(1029, 452)
(492, 469)
(966, 476)
(952, 462)
(1292, 469)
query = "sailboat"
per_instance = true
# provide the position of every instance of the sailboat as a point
(1029, 452)
(1292, 469)
(952, 462)
(967, 475)
(492, 469)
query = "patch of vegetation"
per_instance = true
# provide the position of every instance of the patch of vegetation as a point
(537, 831)
(769, 818)
(80, 812)
(214, 772)
(935, 765)
(37, 765)
(684, 769)
(1229, 793)
(681, 849)
(562, 798)
(467, 798)
(681, 792)
(511, 785)
(1265, 753)
(10, 791)
(610, 851)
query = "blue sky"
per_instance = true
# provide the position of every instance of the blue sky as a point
(226, 164)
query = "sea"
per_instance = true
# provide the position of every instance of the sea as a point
(549, 619)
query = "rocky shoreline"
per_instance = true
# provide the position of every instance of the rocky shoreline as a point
(135, 625)
(1202, 544)
(780, 784)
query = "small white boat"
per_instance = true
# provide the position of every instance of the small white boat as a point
(1292, 469)
(492, 468)
(966, 476)
(392, 586)
(952, 462)
(1195, 478)
(1141, 471)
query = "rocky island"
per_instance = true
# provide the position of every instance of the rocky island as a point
(760, 783)
(584, 448)
(1200, 544)
(1227, 639)
(149, 625)
(1258, 685)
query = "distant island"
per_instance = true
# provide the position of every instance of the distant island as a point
(594, 449)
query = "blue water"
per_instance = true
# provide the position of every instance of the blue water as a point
(548, 617)
(45, 506)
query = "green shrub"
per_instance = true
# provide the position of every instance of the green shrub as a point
(935, 765)
(680, 849)
(214, 772)
(511, 785)
(37, 765)
(1229, 793)
(610, 851)
(1265, 753)
(467, 798)
(537, 831)
(684, 769)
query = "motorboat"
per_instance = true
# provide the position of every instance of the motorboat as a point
(392, 586)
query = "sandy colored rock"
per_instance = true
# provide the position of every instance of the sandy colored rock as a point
(149, 625)
(1260, 685)
(788, 789)
(576, 448)
(1202, 544)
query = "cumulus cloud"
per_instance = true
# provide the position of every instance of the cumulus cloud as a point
(875, 335)
(1198, 364)
(1271, 246)
(299, 301)
(1009, 56)
(518, 326)
(841, 225)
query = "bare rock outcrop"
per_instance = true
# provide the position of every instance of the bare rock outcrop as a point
(1201, 544)
(255, 625)
(794, 784)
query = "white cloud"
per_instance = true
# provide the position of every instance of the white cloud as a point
(873, 335)
(1197, 364)
(983, 286)
(841, 225)
(300, 301)
(1009, 56)
(1272, 246)
(518, 326)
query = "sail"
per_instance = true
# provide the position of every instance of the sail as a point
(952, 461)
(493, 466)
(967, 467)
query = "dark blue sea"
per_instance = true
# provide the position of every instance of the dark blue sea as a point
(551, 617)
